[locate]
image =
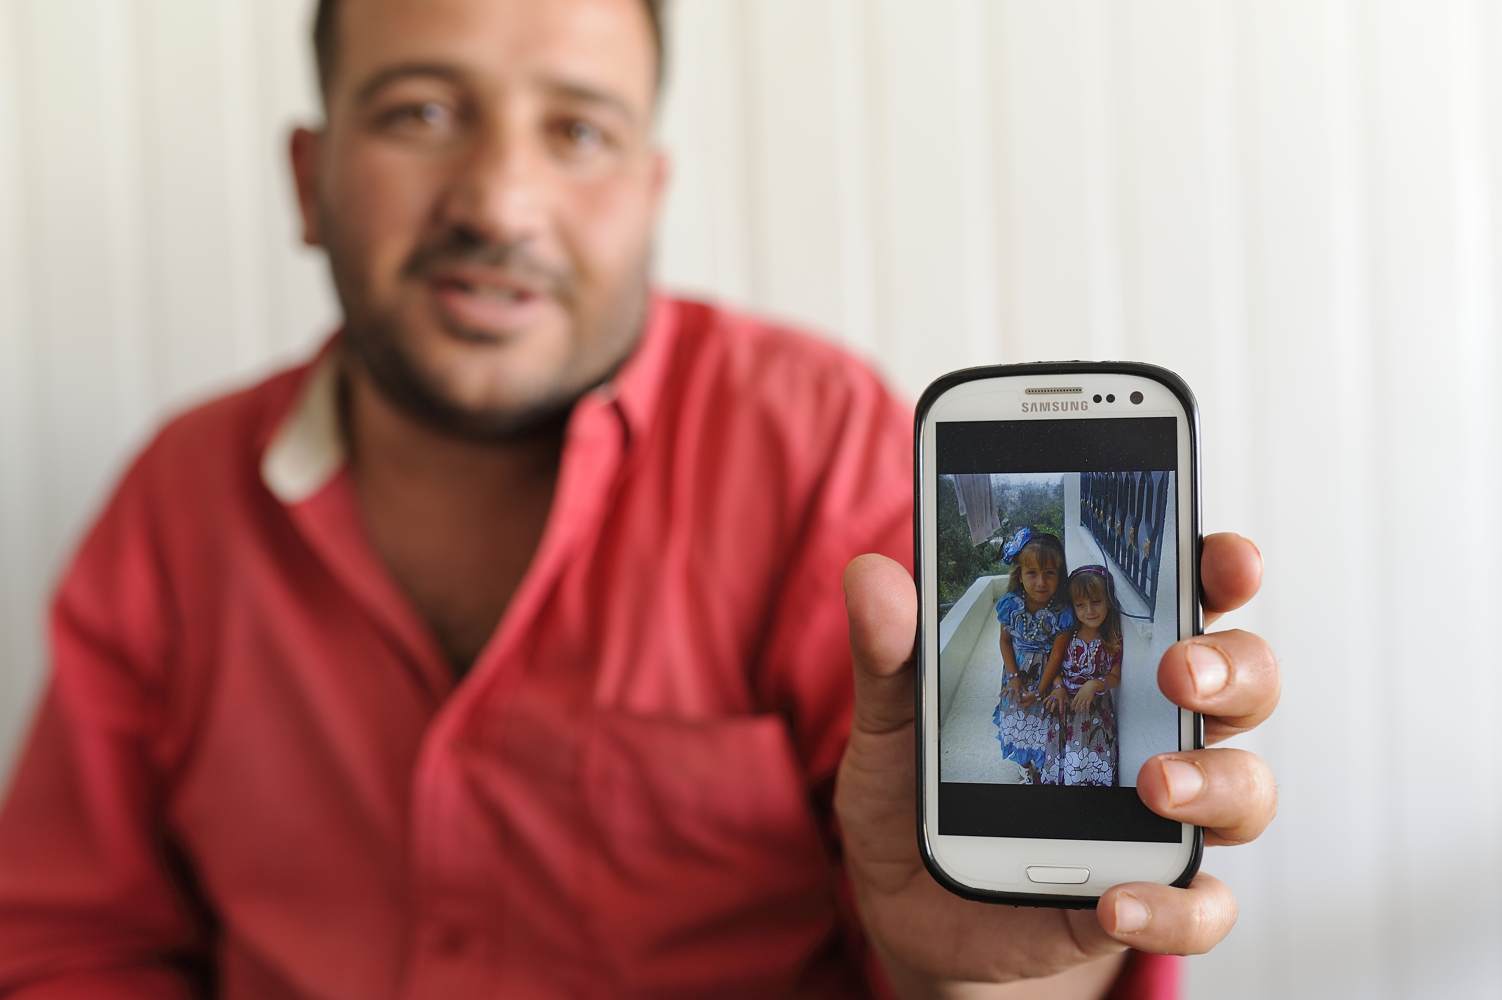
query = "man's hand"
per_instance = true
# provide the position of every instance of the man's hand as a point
(929, 938)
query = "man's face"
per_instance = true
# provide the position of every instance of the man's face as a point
(486, 190)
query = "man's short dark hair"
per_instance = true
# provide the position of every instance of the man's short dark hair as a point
(326, 20)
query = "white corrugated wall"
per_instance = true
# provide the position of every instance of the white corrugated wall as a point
(1297, 204)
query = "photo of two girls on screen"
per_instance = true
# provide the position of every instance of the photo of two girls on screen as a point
(1057, 597)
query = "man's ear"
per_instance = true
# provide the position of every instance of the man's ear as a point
(662, 172)
(304, 150)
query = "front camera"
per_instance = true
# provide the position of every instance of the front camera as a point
(1136, 397)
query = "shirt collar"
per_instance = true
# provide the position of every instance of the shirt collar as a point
(636, 389)
(307, 448)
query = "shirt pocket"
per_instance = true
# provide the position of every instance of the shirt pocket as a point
(710, 874)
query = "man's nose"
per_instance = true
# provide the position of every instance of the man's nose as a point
(498, 189)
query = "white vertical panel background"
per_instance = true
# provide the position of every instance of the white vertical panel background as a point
(1295, 203)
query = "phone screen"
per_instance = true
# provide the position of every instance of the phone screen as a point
(1057, 568)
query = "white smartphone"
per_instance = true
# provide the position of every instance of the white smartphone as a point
(1057, 541)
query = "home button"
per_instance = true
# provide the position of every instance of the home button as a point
(1058, 876)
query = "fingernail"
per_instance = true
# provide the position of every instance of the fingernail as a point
(1207, 669)
(1184, 780)
(1131, 914)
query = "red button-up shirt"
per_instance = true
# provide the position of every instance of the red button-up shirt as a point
(253, 772)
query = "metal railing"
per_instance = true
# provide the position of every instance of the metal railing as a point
(1124, 512)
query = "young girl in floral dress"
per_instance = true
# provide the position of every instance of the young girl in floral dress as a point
(1081, 716)
(1035, 624)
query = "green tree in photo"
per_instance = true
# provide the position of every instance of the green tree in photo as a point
(1039, 506)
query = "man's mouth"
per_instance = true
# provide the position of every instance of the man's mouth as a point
(480, 301)
(503, 293)
(507, 283)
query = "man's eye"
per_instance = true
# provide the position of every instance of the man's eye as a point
(581, 133)
(579, 137)
(418, 116)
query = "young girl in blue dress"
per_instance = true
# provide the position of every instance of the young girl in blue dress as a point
(1082, 735)
(1035, 624)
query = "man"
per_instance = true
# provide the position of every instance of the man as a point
(498, 651)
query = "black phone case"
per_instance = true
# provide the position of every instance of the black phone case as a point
(925, 616)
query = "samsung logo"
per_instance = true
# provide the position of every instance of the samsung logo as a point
(1056, 406)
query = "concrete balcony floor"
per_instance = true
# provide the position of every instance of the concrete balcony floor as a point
(968, 749)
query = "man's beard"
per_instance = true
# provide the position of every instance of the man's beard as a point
(377, 347)
(377, 344)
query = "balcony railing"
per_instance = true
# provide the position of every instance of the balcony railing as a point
(1124, 512)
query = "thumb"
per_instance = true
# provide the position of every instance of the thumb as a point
(883, 609)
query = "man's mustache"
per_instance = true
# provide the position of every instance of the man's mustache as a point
(514, 257)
